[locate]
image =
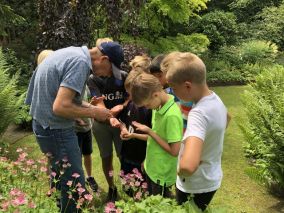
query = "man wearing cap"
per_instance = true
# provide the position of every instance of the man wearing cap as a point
(55, 98)
(108, 81)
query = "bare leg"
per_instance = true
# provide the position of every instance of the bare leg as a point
(88, 164)
(107, 167)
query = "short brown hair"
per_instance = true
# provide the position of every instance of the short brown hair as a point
(143, 86)
(185, 67)
(140, 63)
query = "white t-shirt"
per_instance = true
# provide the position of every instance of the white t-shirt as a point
(207, 121)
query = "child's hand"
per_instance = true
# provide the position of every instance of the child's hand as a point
(116, 110)
(114, 122)
(125, 135)
(80, 122)
(141, 127)
(97, 100)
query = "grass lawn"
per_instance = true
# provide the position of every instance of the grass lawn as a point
(238, 192)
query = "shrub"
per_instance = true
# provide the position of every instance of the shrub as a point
(225, 77)
(257, 51)
(220, 27)
(8, 99)
(263, 127)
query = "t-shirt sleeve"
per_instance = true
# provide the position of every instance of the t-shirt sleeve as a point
(75, 76)
(174, 129)
(196, 125)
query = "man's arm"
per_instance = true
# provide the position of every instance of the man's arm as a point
(65, 107)
(190, 158)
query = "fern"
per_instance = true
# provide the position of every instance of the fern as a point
(8, 100)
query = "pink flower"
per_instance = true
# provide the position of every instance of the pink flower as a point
(137, 183)
(135, 171)
(19, 150)
(80, 190)
(31, 205)
(144, 185)
(70, 196)
(69, 183)
(75, 175)
(20, 200)
(23, 155)
(121, 173)
(53, 174)
(65, 160)
(30, 162)
(138, 196)
(88, 197)
(5, 205)
(78, 185)
(15, 192)
(110, 173)
(3, 159)
(110, 207)
(43, 169)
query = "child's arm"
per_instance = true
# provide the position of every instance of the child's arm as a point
(190, 158)
(172, 149)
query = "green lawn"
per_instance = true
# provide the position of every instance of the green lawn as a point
(238, 192)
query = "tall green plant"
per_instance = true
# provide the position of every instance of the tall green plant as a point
(8, 100)
(264, 127)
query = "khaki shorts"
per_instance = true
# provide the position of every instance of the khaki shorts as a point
(106, 136)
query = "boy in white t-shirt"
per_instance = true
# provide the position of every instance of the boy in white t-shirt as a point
(199, 166)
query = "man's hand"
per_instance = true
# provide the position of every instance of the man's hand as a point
(141, 127)
(116, 110)
(101, 114)
(114, 122)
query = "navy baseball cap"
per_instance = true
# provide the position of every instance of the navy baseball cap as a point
(115, 54)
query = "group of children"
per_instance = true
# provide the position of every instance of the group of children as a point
(166, 123)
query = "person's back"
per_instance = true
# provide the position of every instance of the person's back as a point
(68, 67)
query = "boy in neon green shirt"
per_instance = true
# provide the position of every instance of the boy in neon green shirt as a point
(164, 138)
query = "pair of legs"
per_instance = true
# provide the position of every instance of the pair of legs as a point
(106, 136)
(62, 147)
(86, 147)
(85, 142)
(157, 189)
(201, 200)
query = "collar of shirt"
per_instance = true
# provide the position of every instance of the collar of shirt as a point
(166, 106)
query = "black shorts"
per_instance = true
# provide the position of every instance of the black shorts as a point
(85, 142)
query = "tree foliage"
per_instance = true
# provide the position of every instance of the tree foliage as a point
(63, 23)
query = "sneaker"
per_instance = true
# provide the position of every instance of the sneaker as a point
(112, 195)
(92, 183)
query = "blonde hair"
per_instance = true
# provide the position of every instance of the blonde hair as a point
(143, 86)
(140, 63)
(168, 60)
(184, 67)
(130, 78)
(102, 40)
(42, 55)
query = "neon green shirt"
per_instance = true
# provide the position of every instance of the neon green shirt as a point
(160, 166)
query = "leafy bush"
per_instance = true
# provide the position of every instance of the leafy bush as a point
(8, 100)
(225, 77)
(264, 127)
(257, 51)
(23, 118)
(220, 27)
(196, 43)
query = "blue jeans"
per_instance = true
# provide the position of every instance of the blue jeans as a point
(61, 145)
